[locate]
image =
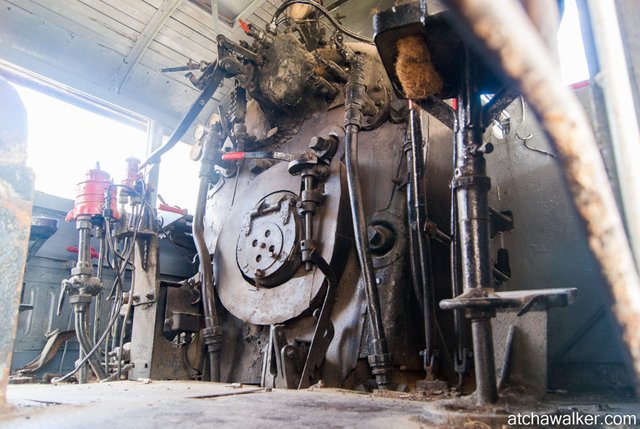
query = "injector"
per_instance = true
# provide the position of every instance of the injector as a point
(93, 196)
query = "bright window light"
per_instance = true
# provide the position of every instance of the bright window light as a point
(573, 61)
(178, 183)
(65, 141)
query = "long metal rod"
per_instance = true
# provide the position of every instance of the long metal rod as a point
(380, 361)
(460, 332)
(418, 218)
(380, 346)
(504, 32)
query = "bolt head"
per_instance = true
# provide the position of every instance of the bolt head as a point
(374, 236)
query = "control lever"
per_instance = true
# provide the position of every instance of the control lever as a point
(65, 287)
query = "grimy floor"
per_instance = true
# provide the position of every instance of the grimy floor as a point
(130, 404)
(190, 404)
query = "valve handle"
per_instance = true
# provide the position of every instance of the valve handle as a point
(64, 288)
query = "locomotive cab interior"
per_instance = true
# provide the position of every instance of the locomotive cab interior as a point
(399, 215)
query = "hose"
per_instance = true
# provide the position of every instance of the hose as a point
(324, 12)
(85, 342)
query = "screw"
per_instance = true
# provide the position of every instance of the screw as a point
(258, 273)
(136, 298)
(150, 295)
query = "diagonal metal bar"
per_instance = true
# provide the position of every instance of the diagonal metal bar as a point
(158, 19)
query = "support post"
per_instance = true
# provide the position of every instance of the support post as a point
(472, 186)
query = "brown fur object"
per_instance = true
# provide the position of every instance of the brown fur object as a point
(418, 77)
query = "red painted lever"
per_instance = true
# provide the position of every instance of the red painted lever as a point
(232, 156)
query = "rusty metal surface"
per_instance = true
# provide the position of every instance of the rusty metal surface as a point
(16, 195)
(524, 59)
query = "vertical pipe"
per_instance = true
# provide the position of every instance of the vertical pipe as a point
(84, 255)
(456, 289)
(472, 187)
(98, 307)
(84, 246)
(85, 341)
(308, 218)
(486, 386)
(82, 371)
(155, 133)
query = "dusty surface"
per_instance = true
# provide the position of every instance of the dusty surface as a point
(198, 404)
(193, 404)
